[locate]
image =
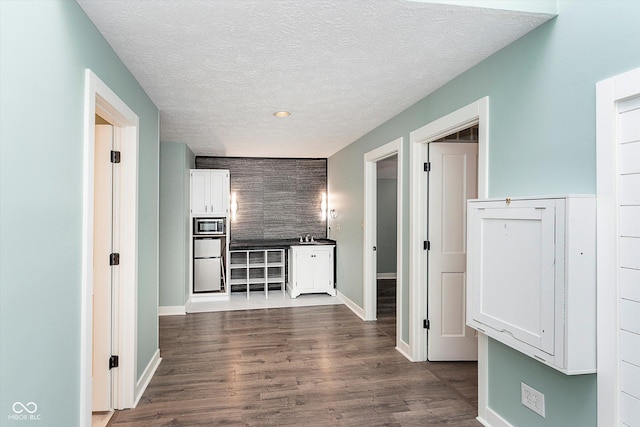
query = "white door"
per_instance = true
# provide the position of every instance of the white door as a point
(618, 252)
(629, 258)
(102, 280)
(452, 180)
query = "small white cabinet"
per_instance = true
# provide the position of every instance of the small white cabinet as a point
(311, 270)
(531, 277)
(209, 192)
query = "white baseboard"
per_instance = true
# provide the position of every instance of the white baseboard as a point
(204, 303)
(403, 349)
(359, 311)
(382, 276)
(146, 376)
(493, 419)
(171, 310)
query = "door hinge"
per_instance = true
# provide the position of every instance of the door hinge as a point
(113, 362)
(427, 166)
(426, 324)
(114, 259)
(115, 156)
(426, 245)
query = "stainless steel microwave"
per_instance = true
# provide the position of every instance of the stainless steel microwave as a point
(209, 226)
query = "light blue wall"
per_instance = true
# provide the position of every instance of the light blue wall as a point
(508, 367)
(45, 47)
(541, 141)
(386, 222)
(175, 161)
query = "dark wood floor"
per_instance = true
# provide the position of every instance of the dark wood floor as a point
(315, 366)
(386, 306)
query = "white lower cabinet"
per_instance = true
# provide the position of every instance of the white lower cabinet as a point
(311, 270)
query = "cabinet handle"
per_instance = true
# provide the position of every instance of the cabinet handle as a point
(205, 208)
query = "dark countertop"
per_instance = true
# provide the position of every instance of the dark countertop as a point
(274, 243)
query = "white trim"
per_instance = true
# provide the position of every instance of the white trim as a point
(474, 113)
(202, 303)
(385, 276)
(146, 376)
(492, 419)
(608, 93)
(483, 375)
(171, 310)
(351, 305)
(98, 98)
(392, 148)
(403, 348)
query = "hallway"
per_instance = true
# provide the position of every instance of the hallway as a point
(320, 366)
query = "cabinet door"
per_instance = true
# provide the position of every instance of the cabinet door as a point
(512, 269)
(200, 192)
(219, 192)
(304, 269)
(323, 269)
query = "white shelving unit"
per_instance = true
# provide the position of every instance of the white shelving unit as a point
(257, 267)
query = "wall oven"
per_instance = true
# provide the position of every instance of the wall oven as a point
(209, 226)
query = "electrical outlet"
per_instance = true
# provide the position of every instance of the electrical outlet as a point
(532, 399)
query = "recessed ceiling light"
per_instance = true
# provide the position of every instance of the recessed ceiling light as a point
(282, 114)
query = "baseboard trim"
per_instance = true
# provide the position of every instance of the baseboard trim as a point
(493, 419)
(359, 311)
(146, 376)
(403, 349)
(172, 310)
(383, 276)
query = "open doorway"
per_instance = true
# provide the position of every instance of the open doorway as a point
(386, 243)
(392, 153)
(118, 313)
(476, 113)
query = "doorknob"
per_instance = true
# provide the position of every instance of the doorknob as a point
(375, 248)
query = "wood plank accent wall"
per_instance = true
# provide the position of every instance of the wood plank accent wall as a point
(277, 198)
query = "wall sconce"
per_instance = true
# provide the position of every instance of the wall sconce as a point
(323, 206)
(333, 214)
(234, 207)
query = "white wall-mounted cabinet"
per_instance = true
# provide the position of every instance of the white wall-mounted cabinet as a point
(532, 279)
(311, 270)
(210, 192)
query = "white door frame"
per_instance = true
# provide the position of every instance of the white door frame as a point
(370, 222)
(102, 100)
(609, 93)
(474, 113)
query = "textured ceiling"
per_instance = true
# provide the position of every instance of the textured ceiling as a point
(218, 69)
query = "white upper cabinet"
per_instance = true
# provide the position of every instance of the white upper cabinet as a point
(210, 192)
(531, 276)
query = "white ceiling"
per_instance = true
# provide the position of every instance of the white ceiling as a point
(218, 69)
